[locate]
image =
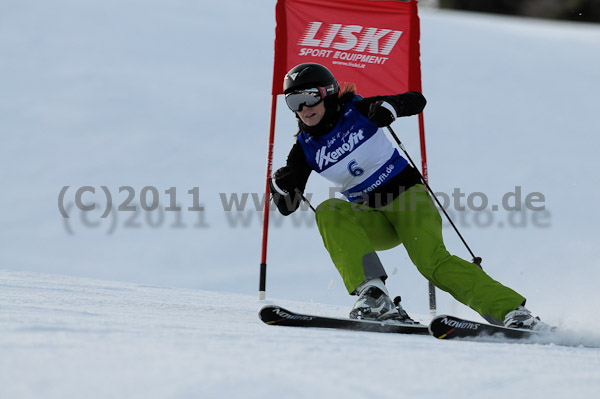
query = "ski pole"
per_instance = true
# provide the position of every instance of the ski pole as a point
(305, 199)
(476, 259)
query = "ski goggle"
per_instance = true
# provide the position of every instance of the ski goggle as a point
(309, 97)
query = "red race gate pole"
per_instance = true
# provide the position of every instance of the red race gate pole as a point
(262, 284)
(424, 172)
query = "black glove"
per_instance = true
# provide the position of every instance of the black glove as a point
(380, 115)
(284, 179)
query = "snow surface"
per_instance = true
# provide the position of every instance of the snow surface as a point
(177, 94)
(75, 337)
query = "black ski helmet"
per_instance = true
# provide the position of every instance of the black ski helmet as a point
(309, 75)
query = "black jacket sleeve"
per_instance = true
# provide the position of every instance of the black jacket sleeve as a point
(287, 204)
(405, 104)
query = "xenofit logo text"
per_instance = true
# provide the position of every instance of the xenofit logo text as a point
(324, 158)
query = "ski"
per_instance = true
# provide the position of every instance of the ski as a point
(276, 315)
(450, 327)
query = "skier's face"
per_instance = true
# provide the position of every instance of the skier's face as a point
(311, 116)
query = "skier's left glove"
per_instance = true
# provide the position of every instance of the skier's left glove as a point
(283, 181)
(283, 186)
(382, 113)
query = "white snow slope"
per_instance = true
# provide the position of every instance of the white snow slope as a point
(157, 95)
(81, 338)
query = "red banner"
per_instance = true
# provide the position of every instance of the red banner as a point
(373, 43)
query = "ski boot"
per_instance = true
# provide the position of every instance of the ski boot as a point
(522, 318)
(374, 304)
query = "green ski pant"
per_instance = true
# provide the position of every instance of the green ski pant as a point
(352, 233)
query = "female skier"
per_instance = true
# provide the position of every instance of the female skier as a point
(340, 137)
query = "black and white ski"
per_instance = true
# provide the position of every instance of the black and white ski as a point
(441, 327)
(276, 315)
(449, 327)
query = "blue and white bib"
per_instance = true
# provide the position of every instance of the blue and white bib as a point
(356, 155)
